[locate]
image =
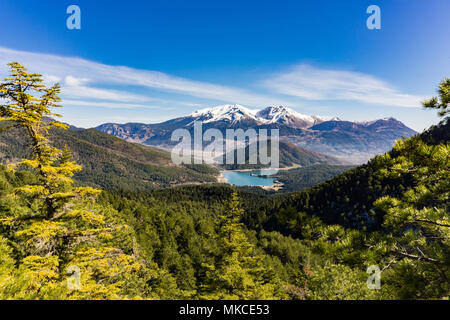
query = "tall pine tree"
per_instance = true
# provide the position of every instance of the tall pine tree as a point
(238, 271)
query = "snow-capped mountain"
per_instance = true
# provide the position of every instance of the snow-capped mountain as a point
(351, 141)
(229, 113)
(234, 114)
(289, 117)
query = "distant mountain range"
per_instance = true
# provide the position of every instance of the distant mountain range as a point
(352, 142)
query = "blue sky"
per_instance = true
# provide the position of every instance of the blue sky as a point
(148, 61)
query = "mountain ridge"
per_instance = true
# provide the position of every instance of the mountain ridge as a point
(353, 142)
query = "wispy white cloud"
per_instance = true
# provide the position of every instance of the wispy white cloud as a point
(310, 83)
(112, 105)
(79, 88)
(81, 76)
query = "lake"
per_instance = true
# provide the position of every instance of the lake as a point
(244, 178)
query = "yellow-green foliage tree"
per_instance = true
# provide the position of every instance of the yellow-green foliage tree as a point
(53, 166)
(53, 234)
(238, 271)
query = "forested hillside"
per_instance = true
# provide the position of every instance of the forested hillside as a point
(109, 162)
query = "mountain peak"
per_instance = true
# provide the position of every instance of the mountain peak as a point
(274, 113)
(227, 112)
(287, 116)
(379, 121)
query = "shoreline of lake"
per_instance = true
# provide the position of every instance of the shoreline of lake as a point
(295, 166)
(249, 177)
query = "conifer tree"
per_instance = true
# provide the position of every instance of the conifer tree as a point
(28, 112)
(441, 103)
(418, 242)
(238, 272)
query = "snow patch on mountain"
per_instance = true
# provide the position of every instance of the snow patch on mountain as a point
(279, 113)
(227, 112)
(270, 115)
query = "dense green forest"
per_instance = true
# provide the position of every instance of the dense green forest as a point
(64, 240)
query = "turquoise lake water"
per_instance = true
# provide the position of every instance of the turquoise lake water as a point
(244, 178)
